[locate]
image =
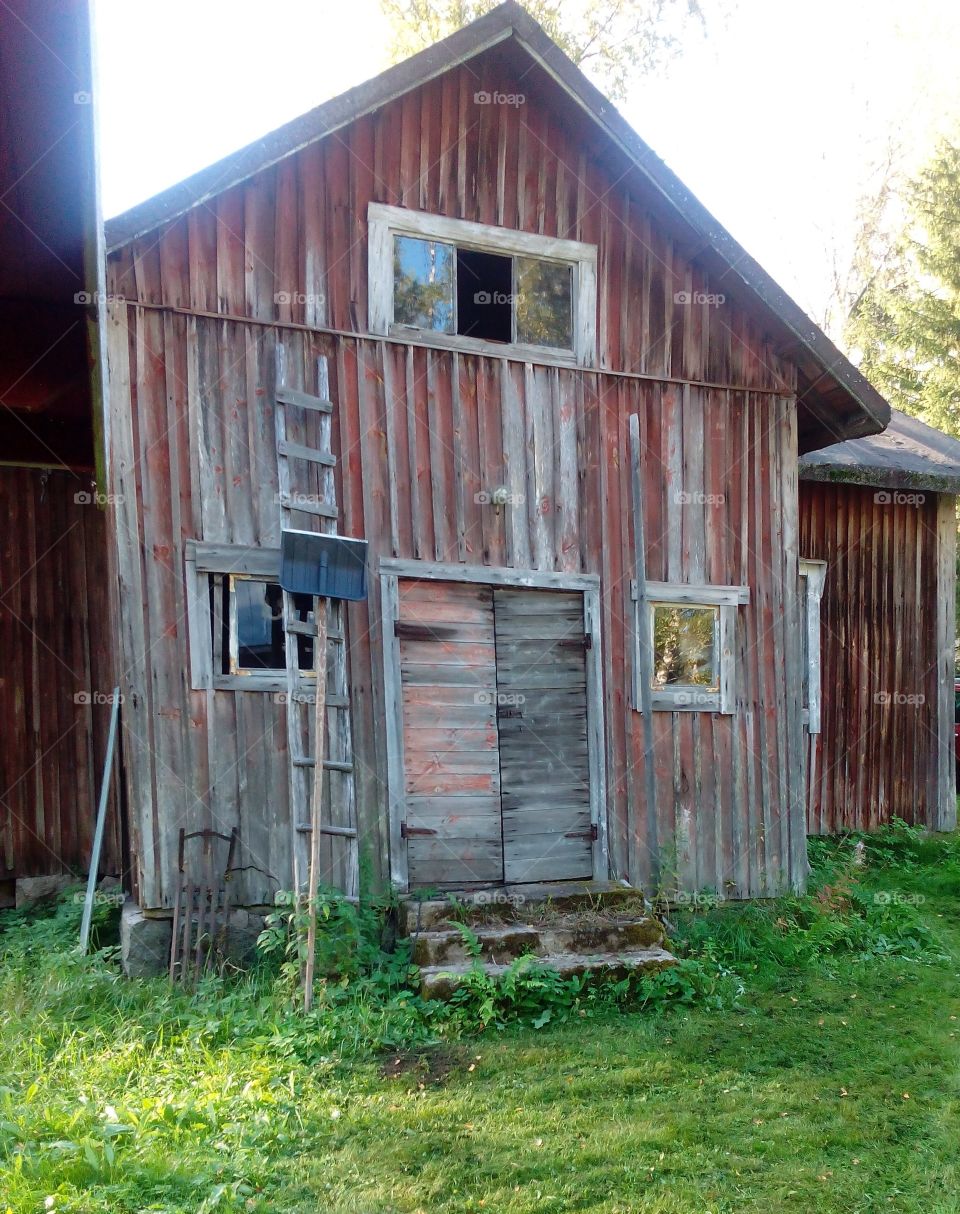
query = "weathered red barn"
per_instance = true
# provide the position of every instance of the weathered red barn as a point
(878, 521)
(56, 601)
(573, 663)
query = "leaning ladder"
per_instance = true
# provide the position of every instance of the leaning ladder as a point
(306, 742)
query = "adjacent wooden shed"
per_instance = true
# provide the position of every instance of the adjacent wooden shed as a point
(880, 514)
(579, 659)
(56, 593)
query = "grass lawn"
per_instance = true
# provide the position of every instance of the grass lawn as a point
(831, 1084)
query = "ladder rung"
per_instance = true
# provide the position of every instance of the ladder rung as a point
(307, 507)
(306, 694)
(346, 832)
(300, 627)
(328, 764)
(299, 451)
(305, 628)
(290, 396)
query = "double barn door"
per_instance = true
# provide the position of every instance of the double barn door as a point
(494, 730)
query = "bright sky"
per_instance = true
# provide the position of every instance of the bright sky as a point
(775, 120)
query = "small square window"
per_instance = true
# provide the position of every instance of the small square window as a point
(423, 283)
(686, 646)
(253, 640)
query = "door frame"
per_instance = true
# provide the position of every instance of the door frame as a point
(391, 571)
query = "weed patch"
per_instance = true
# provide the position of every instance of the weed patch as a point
(803, 1056)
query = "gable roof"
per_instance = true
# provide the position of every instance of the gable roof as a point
(909, 454)
(835, 400)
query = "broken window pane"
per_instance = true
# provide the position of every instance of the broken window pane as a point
(423, 283)
(259, 643)
(685, 646)
(484, 295)
(544, 303)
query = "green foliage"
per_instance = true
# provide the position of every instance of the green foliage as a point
(612, 39)
(852, 909)
(349, 936)
(829, 1083)
(906, 322)
(532, 994)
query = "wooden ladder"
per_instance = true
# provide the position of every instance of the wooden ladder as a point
(306, 738)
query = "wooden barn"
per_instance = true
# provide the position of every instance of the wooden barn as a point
(463, 312)
(56, 621)
(878, 529)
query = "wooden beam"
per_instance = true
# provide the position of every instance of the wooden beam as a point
(946, 800)
(316, 798)
(643, 656)
(489, 575)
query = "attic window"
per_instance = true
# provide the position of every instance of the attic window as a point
(468, 285)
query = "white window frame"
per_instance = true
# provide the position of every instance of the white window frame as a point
(384, 222)
(682, 698)
(813, 575)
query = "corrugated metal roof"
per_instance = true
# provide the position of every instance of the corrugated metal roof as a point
(909, 454)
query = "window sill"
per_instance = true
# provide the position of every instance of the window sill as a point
(514, 351)
(254, 682)
(685, 701)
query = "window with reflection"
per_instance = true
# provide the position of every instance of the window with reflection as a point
(447, 288)
(686, 646)
(423, 283)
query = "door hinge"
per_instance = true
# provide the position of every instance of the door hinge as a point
(592, 834)
(415, 832)
(580, 642)
(503, 713)
(408, 631)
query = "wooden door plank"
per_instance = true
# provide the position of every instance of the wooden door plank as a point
(444, 638)
(544, 751)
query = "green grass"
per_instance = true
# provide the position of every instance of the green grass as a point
(830, 1084)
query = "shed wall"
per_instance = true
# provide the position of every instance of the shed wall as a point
(884, 732)
(58, 674)
(419, 434)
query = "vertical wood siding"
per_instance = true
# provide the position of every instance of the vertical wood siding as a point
(58, 663)
(879, 753)
(419, 434)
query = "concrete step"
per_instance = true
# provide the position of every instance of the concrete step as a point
(515, 903)
(502, 943)
(440, 981)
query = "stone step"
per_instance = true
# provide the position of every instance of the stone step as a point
(502, 943)
(440, 981)
(510, 903)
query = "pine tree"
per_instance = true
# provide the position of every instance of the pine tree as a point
(906, 323)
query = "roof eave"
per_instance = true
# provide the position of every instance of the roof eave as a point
(871, 477)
